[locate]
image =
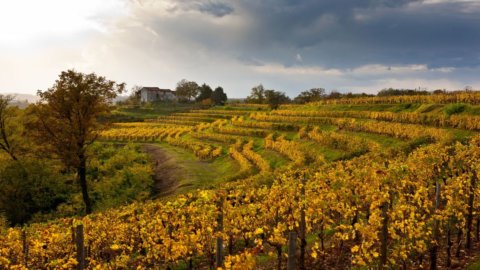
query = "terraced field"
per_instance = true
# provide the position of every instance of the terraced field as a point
(360, 185)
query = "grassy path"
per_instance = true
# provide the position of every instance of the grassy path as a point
(178, 171)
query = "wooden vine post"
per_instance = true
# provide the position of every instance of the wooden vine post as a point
(219, 229)
(25, 246)
(303, 224)
(292, 249)
(80, 243)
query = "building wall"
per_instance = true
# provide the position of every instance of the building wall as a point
(150, 96)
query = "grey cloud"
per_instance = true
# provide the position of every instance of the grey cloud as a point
(226, 47)
(402, 32)
(215, 8)
(212, 7)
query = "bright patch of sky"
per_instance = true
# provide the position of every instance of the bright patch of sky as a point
(350, 45)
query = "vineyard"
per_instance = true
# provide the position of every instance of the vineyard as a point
(359, 186)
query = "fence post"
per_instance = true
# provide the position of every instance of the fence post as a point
(25, 246)
(292, 248)
(80, 247)
(219, 246)
(303, 224)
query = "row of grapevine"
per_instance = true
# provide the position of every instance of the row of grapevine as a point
(223, 112)
(397, 130)
(470, 97)
(201, 150)
(246, 167)
(468, 122)
(225, 138)
(336, 140)
(240, 122)
(175, 117)
(241, 131)
(175, 122)
(369, 211)
(142, 133)
(202, 114)
(287, 148)
(255, 158)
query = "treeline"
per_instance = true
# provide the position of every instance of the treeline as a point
(187, 91)
(260, 95)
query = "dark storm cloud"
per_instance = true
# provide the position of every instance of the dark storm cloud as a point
(334, 34)
(352, 33)
(215, 8)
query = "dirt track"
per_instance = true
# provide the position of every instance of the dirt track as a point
(164, 168)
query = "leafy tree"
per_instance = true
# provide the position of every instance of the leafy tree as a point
(186, 90)
(205, 92)
(119, 174)
(8, 127)
(257, 95)
(219, 97)
(312, 95)
(439, 91)
(66, 121)
(275, 98)
(28, 188)
(334, 94)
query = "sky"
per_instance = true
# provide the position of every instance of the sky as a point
(286, 45)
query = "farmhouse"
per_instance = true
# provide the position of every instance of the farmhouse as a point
(152, 94)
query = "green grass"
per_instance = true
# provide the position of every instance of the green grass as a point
(314, 149)
(276, 160)
(474, 266)
(194, 173)
(461, 135)
(455, 108)
(429, 108)
(384, 141)
(151, 111)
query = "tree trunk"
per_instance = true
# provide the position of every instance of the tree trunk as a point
(477, 233)
(82, 178)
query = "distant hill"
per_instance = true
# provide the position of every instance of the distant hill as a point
(23, 97)
(120, 98)
(22, 100)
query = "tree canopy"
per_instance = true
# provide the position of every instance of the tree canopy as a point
(218, 96)
(66, 119)
(257, 95)
(205, 92)
(187, 90)
(312, 95)
(275, 98)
